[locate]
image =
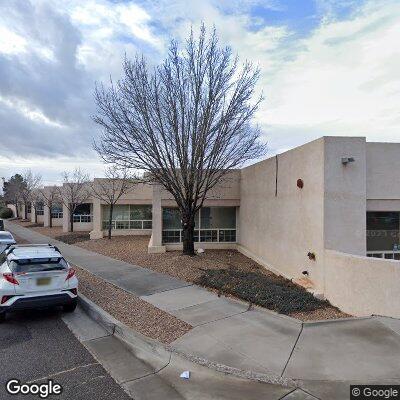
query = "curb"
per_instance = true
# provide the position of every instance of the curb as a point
(159, 355)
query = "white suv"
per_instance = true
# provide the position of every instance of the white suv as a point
(36, 276)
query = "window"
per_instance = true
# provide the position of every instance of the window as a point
(38, 265)
(82, 209)
(139, 212)
(128, 216)
(171, 218)
(212, 224)
(218, 217)
(56, 210)
(382, 230)
(40, 208)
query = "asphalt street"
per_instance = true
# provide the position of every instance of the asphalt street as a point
(37, 345)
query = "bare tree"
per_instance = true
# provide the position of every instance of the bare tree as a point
(31, 183)
(186, 123)
(74, 192)
(50, 196)
(37, 199)
(12, 191)
(109, 190)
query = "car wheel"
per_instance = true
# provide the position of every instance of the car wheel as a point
(70, 307)
(2, 316)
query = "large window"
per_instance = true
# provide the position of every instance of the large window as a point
(212, 224)
(56, 210)
(383, 229)
(39, 208)
(82, 213)
(128, 216)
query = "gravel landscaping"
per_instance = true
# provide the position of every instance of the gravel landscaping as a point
(131, 310)
(73, 237)
(225, 271)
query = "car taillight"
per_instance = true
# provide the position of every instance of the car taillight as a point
(71, 273)
(74, 291)
(10, 278)
(5, 298)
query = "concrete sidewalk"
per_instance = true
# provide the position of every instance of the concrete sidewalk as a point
(226, 333)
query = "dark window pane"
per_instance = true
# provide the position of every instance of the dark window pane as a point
(218, 217)
(172, 236)
(382, 230)
(140, 212)
(82, 209)
(171, 218)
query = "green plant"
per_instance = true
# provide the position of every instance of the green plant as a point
(6, 213)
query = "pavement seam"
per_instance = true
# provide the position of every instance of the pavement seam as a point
(221, 319)
(294, 346)
(310, 394)
(287, 394)
(63, 372)
(387, 326)
(151, 373)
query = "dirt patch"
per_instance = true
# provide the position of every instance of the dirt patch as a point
(225, 271)
(131, 310)
(74, 237)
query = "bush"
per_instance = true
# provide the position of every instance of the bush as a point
(282, 295)
(6, 213)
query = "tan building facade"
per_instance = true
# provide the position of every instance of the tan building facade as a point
(320, 214)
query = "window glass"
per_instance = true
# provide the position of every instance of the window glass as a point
(120, 212)
(218, 217)
(140, 212)
(82, 209)
(382, 230)
(56, 208)
(39, 206)
(171, 218)
(37, 265)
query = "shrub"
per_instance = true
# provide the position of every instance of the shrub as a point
(6, 213)
(282, 296)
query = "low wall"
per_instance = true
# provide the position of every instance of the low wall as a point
(83, 226)
(362, 285)
(128, 232)
(57, 222)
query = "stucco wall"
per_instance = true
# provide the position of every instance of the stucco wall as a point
(279, 231)
(362, 285)
(228, 188)
(383, 164)
(345, 195)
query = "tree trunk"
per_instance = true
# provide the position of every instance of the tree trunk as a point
(110, 220)
(35, 216)
(71, 220)
(50, 221)
(16, 210)
(188, 234)
(25, 211)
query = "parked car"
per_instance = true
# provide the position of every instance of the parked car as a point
(36, 276)
(6, 238)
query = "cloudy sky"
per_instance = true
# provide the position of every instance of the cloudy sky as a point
(329, 67)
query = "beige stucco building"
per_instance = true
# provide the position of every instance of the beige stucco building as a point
(326, 214)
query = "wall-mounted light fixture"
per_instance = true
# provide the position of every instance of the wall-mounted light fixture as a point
(346, 160)
(300, 183)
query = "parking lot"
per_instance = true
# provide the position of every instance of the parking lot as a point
(36, 346)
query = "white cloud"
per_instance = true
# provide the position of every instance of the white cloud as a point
(344, 80)
(11, 43)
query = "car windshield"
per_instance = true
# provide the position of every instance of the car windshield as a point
(38, 265)
(5, 236)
